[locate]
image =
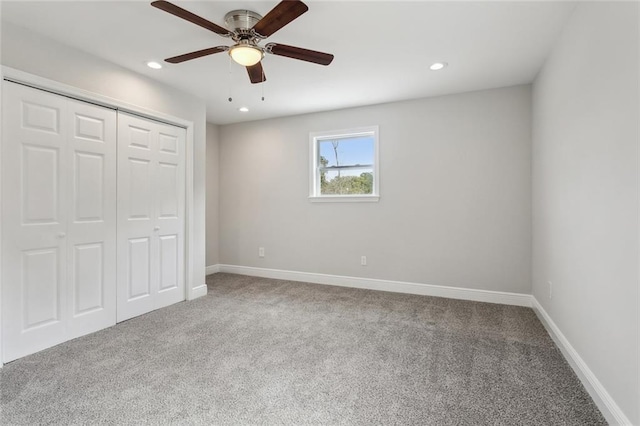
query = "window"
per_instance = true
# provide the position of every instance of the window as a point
(344, 165)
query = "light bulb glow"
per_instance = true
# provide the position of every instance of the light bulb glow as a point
(153, 64)
(437, 66)
(243, 109)
(246, 55)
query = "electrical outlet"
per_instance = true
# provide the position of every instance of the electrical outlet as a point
(363, 260)
(550, 289)
(260, 251)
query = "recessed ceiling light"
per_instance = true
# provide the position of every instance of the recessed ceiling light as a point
(154, 65)
(243, 109)
(437, 66)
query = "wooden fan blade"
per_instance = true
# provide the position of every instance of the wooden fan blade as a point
(285, 12)
(196, 54)
(299, 53)
(256, 73)
(186, 15)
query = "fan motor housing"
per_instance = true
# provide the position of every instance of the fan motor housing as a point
(241, 21)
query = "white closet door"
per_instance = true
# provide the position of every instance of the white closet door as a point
(170, 187)
(91, 231)
(151, 187)
(34, 220)
(55, 270)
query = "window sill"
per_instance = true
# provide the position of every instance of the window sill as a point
(345, 199)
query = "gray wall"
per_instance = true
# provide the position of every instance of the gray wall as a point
(455, 205)
(26, 51)
(213, 167)
(585, 193)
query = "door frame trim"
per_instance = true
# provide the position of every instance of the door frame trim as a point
(41, 83)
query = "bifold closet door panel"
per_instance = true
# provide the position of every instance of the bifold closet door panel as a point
(169, 214)
(91, 235)
(151, 187)
(58, 236)
(136, 273)
(34, 198)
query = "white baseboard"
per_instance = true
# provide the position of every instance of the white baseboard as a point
(199, 291)
(212, 269)
(610, 410)
(503, 298)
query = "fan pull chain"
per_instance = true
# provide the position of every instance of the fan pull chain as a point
(229, 81)
(263, 82)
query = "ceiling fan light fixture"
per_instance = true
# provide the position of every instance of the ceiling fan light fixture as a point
(248, 29)
(246, 54)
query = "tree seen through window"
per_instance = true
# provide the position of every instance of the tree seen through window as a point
(346, 165)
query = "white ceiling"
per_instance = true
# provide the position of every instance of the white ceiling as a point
(382, 49)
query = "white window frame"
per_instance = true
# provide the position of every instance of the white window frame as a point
(314, 170)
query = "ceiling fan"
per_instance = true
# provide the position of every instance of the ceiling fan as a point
(247, 29)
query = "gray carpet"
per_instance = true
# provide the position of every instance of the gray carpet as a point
(259, 351)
